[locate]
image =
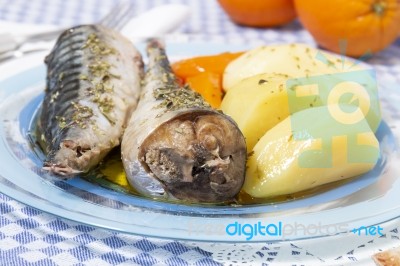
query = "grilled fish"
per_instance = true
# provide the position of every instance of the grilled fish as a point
(176, 146)
(93, 85)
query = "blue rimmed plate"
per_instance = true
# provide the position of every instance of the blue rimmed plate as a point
(368, 200)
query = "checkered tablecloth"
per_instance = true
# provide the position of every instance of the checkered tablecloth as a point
(31, 237)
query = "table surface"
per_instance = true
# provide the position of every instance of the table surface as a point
(31, 237)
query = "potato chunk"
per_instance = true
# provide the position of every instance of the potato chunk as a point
(294, 60)
(260, 102)
(310, 148)
(257, 104)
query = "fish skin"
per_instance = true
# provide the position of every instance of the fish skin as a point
(174, 151)
(93, 85)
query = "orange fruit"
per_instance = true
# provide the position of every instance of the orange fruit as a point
(259, 13)
(365, 25)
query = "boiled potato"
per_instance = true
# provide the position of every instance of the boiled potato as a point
(294, 60)
(293, 78)
(311, 148)
(260, 102)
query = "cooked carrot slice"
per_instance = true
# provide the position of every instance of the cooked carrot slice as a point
(204, 74)
(208, 84)
(196, 65)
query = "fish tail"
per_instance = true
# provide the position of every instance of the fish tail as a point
(159, 66)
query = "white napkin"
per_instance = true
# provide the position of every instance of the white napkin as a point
(155, 22)
(24, 28)
(19, 29)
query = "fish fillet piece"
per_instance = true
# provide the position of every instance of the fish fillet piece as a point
(176, 146)
(93, 85)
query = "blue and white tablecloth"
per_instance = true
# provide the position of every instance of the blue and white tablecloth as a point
(31, 237)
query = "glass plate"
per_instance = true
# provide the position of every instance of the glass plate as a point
(368, 200)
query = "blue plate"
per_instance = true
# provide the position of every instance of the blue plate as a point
(368, 200)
